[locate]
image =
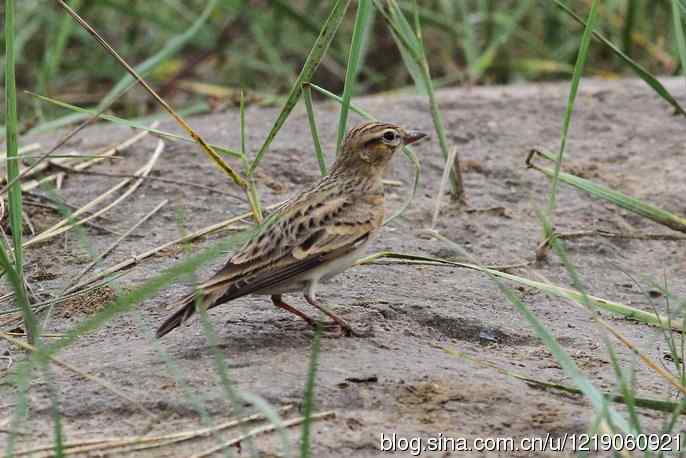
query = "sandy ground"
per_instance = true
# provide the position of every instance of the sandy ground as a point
(397, 381)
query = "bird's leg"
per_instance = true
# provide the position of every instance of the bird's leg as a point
(311, 298)
(278, 301)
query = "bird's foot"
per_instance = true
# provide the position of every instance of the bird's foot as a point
(333, 329)
(345, 330)
(367, 331)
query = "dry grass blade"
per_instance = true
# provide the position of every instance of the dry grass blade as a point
(58, 362)
(263, 430)
(109, 152)
(22, 154)
(134, 260)
(645, 359)
(444, 181)
(132, 124)
(109, 249)
(146, 442)
(58, 208)
(68, 223)
(618, 235)
(63, 141)
(216, 158)
(184, 183)
(23, 150)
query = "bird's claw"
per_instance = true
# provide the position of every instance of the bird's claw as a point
(333, 329)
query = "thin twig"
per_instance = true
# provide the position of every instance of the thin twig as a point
(106, 385)
(109, 249)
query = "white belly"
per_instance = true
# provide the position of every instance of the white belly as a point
(321, 274)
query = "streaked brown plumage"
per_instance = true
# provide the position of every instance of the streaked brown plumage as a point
(315, 235)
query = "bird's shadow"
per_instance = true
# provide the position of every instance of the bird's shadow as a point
(250, 337)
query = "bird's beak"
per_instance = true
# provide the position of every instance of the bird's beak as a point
(413, 136)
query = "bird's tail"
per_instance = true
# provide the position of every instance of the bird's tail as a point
(186, 309)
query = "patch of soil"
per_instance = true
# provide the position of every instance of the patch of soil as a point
(400, 380)
(88, 303)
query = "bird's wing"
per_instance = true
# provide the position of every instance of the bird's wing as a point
(314, 229)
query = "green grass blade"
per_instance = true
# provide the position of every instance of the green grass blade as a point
(308, 401)
(134, 124)
(55, 45)
(131, 298)
(627, 393)
(650, 318)
(411, 41)
(362, 23)
(319, 153)
(470, 44)
(645, 403)
(632, 204)
(576, 78)
(632, 7)
(582, 382)
(16, 271)
(252, 193)
(679, 34)
(271, 53)
(586, 301)
(58, 431)
(244, 151)
(196, 108)
(331, 95)
(223, 372)
(22, 374)
(486, 60)
(641, 71)
(321, 45)
(305, 20)
(172, 47)
(271, 414)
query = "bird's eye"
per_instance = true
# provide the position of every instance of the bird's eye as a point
(389, 135)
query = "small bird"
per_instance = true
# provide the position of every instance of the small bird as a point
(312, 237)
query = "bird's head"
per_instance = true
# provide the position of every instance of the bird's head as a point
(370, 146)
